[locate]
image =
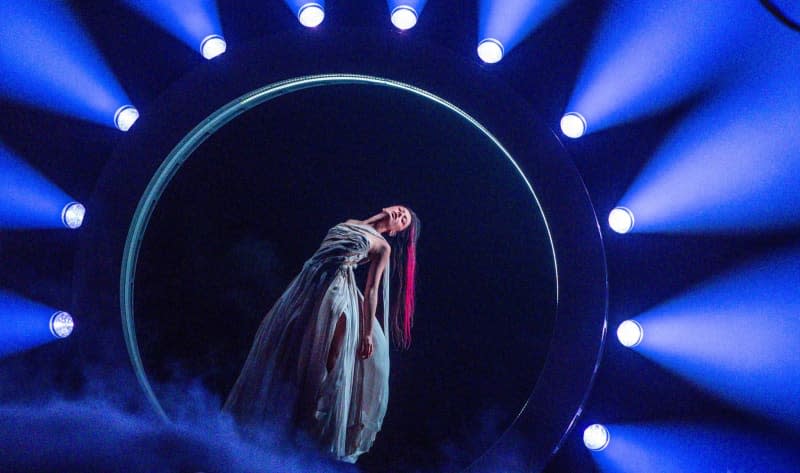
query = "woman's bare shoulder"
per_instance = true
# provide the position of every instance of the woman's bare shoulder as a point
(377, 244)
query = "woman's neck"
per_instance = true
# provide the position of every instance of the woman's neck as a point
(378, 222)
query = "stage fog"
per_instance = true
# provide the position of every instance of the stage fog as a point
(255, 200)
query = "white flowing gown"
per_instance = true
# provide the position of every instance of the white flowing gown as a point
(285, 381)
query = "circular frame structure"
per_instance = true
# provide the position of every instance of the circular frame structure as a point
(172, 164)
(579, 332)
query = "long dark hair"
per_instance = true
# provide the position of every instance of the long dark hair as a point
(403, 275)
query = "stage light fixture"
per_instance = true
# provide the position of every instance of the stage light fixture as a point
(212, 46)
(72, 215)
(311, 14)
(573, 125)
(125, 117)
(596, 437)
(61, 324)
(620, 219)
(490, 50)
(404, 17)
(630, 333)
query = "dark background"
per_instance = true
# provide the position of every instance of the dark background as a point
(642, 271)
(254, 201)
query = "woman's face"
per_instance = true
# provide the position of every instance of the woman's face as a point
(398, 218)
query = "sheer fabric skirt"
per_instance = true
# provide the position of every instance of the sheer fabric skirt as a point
(285, 382)
(352, 398)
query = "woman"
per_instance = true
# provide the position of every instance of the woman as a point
(320, 358)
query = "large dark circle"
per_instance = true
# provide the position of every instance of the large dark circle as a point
(264, 187)
(579, 331)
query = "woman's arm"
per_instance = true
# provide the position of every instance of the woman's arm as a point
(380, 258)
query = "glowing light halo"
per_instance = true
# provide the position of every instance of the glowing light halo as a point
(621, 220)
(181, 152)
(596, 437)
(213, 46)
(490, 50)
(61, 324)
(311, 14)
(72, 215)
(630, 333)
(404, 17)
(573, 125)
(125, 117)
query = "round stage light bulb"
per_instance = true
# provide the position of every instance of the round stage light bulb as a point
(61, 324)
(596, 437)
(404, 17)
(125, 117)
(72, 215)
(212, 46)
(311, 15)
(490, 50)
(630, 333)
(621, 220)
(573, 125)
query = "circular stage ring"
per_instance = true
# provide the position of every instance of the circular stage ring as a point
(578, 338)
(178, 156)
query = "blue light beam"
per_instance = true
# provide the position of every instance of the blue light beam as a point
(190, 21)
(650, 54)
(737, 336)
(48, 61)
(681, 447)
(785, 11)
(510, 21)
(28, 199)
(25, 324)
(733, 165)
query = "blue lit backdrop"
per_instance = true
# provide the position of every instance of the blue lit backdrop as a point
(510, 21)
(650, 54)
(24, 324)
(417, 5)
(733, 165)
(188, 20)
(27, 199)
(684, 447)
(49, 62)
(737, 336)
(294, 5)
(790, 8)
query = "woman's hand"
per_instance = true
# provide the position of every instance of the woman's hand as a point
(366, 347)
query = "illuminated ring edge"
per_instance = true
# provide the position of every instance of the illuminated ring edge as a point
(172, 163)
